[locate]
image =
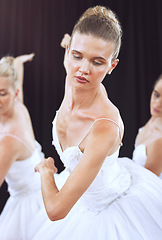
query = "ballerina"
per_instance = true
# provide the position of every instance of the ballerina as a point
(104, 197)
(148, 150)
(20, 152)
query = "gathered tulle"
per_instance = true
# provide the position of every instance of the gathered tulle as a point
(135, 214)
(122, 203)
(25, 201)
(140, 155)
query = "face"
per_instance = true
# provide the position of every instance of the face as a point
(7, 95)
(156, 100)
(89, 60)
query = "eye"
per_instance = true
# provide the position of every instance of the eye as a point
(156, 94)
(2, 94)
(76, 56)
(97, 63)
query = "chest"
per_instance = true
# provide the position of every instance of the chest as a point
(147, 135)
(72, 129)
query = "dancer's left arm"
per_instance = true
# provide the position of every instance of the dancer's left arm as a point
(154, 157)
(58, 203)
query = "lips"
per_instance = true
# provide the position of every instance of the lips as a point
(156, 110)
(81, 79)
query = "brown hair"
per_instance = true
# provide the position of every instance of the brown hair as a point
(103, 23)
(7, 69)
(159, 78)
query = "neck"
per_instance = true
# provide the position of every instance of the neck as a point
(5, 117)
(82, 99)
(157, 123)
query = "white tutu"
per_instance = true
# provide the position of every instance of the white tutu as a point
(134, 214)
(124, 202)
(140, 154)
(25, 201)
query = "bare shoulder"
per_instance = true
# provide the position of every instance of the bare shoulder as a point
(9, 146)
(108, 127)
(22, 116)
(154, 152)
(154, 156)
(155, 146)
(20, 123)
(112, 113)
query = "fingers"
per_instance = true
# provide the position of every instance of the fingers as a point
(30, 56)
(47, 163)
(51, 164)
(25, 58)
(65, 41)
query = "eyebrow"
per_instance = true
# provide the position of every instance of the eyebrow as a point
(156, 91)
(100, 58)
(3, 89)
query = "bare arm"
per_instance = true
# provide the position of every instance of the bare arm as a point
(19, 67)
(9, 153)
(59, 203)
(154, 157)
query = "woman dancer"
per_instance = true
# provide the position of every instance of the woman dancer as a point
(148, 150)
(19, 153)
(104, 197)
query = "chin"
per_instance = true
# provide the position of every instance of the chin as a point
(156, 115)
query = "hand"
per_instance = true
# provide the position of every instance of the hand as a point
(65, 41)
(25, 58)
(46, 163)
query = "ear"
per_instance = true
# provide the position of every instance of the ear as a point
(17, 92)
(113, 65)
(67, 49)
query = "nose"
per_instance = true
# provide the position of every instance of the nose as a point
(84, 67)
(158, 102)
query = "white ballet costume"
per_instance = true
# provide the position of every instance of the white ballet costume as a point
(140, 155)
(25, 199)
(124, 202)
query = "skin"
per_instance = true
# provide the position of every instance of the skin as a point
(89, 60)
(14, 119)
(151, 134)
(65, 44)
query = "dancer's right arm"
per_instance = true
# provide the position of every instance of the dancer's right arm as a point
(9, 149)
(19, 67)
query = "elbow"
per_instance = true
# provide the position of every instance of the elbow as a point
(55, 215)
(1, 182)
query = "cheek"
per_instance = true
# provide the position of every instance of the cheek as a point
(72, 67)
(6, 102)
(152, 99)
(100, 74)
(73, 63)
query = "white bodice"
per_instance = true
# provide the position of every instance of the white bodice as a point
(140, 155)
(111, 182)
(21, 178)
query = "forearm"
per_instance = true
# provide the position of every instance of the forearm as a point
(49, 192)
(19, 66)
(1, 181)
(153, 168)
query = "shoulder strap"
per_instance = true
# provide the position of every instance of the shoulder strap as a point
(19, 139)
(110, 120)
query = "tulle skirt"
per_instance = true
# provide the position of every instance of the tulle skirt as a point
(15, 219)
(136, 215)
